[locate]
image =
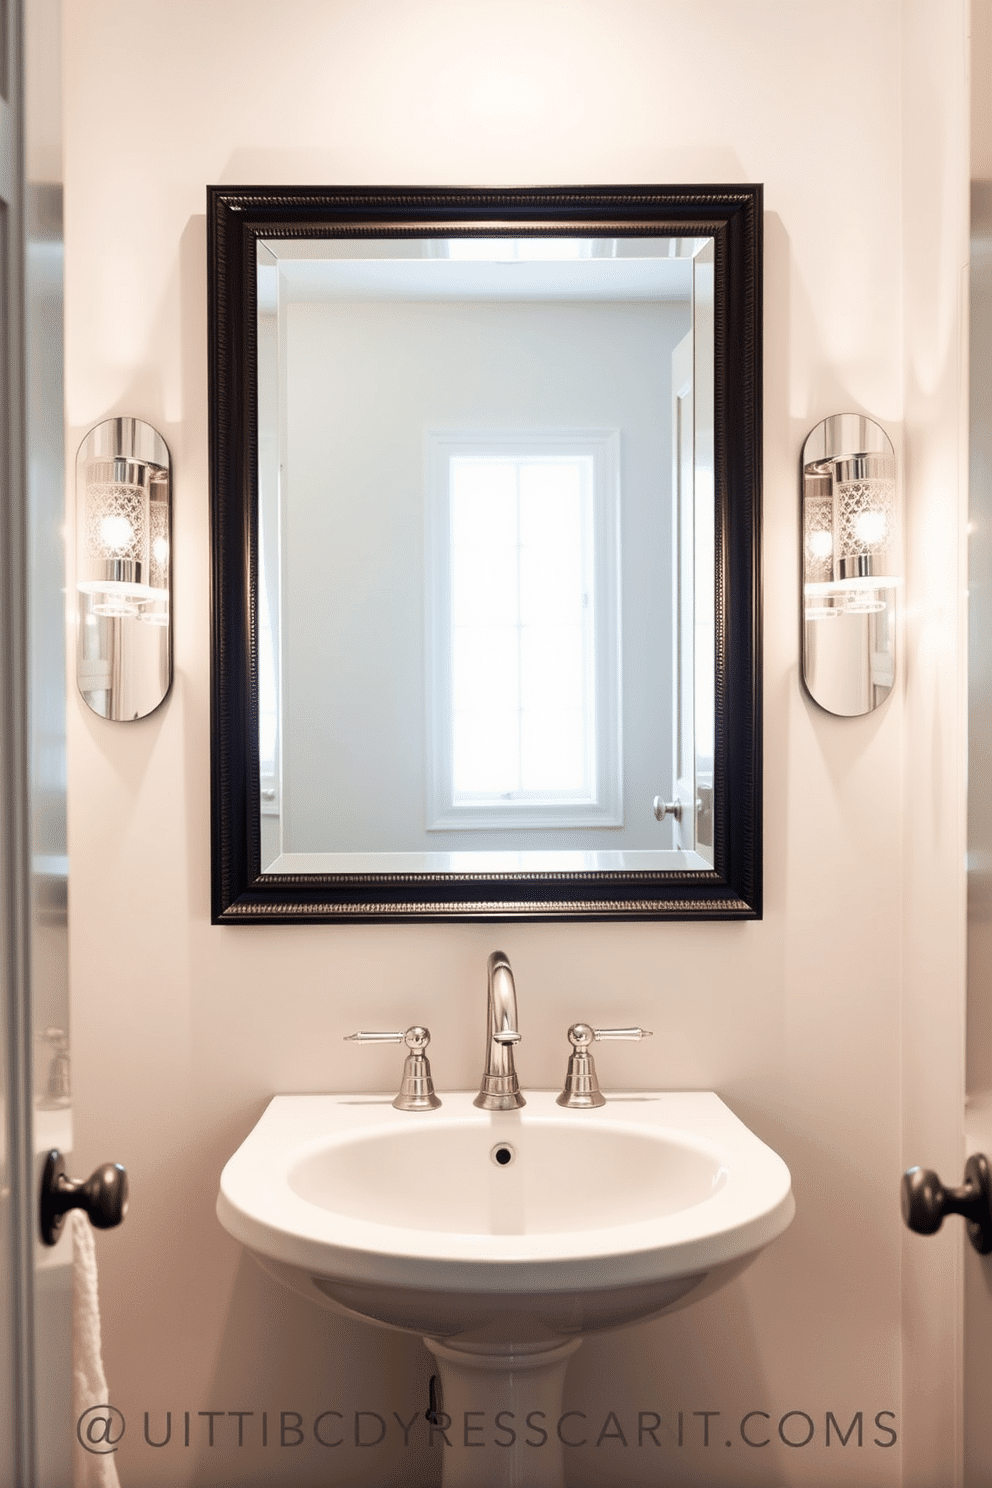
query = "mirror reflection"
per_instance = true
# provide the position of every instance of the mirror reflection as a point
(485, 611)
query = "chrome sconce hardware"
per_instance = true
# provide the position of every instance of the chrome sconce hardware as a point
(925, 1201)
(123, 569)
(102, 1196)
(582, 1090)
(851, 565)
(416, 1092)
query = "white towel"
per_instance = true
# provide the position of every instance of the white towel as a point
(93, 1464)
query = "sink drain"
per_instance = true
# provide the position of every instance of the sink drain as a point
(502, 1154)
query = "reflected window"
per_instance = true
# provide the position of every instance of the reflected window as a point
(525, 250)
(523, 631)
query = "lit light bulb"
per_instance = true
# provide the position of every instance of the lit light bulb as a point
(821, 544)
(870, 527)
(116, 533)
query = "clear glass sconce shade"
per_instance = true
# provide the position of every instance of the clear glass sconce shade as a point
(156, 611)
(851, 564)
(158, 540)
(123, 488)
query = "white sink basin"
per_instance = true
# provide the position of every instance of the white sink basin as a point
(410, 1220)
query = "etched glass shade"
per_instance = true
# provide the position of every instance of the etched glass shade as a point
(156, 612)
(865, 510)
(818, 531)
(116, 535)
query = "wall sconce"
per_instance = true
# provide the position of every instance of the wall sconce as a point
(851, 568)
(123, 569)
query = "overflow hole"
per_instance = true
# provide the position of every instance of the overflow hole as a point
(502, 1154)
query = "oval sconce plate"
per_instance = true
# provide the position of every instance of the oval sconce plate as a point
(851, 569)
(123, 569)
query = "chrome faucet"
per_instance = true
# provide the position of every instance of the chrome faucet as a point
(500, 1090)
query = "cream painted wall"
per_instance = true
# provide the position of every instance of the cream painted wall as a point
(181, 1031)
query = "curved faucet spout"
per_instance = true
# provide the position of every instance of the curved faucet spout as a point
(500, 1089)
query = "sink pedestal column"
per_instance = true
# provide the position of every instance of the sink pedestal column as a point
(502, 1407)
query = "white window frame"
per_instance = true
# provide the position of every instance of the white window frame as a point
(605, 809)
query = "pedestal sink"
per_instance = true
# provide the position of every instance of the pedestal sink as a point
(502, 1237)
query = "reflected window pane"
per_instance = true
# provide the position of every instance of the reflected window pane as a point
(554, 668)
(520, 540)
(523, 620)
(486, 754)
(485, 669)
(552, 753)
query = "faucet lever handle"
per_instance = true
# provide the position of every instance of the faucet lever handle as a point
(582, 1090)
(417, 1088)
(581, 1035)
(619, 1033)
(416, 1038)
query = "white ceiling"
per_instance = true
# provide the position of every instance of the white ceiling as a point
(643, 269)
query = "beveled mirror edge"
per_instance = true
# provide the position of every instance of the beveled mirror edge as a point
(237, 217)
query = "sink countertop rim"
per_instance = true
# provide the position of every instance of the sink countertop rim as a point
(726, 1225)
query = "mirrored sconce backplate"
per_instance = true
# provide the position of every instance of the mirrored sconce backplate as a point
(123, 569)
(851, 565)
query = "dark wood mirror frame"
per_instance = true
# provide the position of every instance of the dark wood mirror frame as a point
(237, 218)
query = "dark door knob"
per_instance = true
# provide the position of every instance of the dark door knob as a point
(925, 1201)
(103, 1196)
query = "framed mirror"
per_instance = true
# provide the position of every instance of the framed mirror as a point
(485, 494)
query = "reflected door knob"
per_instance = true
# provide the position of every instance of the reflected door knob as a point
(925, 1201)
(102, 1196)
(667, 808)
